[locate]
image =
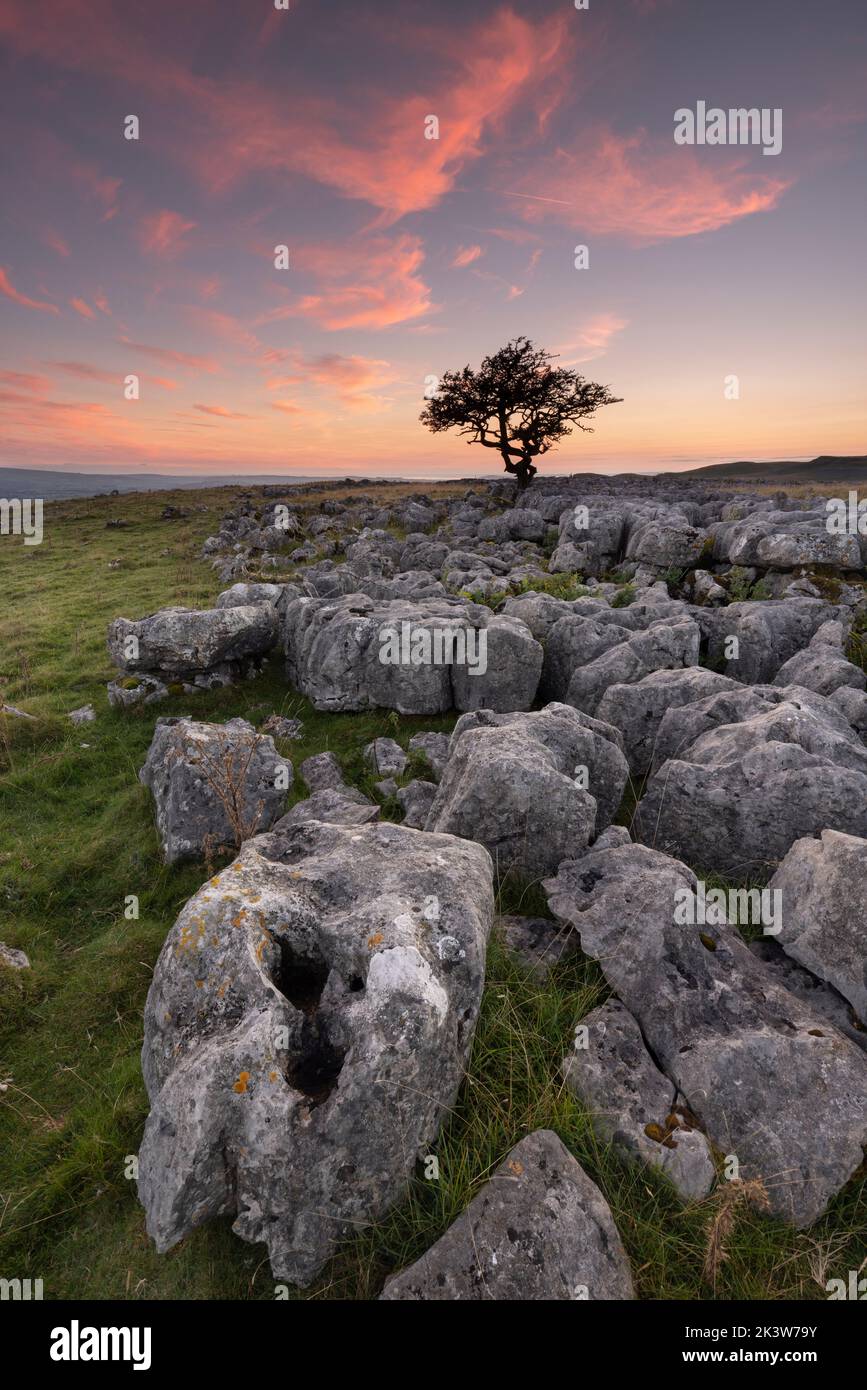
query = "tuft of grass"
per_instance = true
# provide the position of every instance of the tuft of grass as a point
(566, 586)
(624, 596)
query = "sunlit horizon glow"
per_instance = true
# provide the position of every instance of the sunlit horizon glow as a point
(409, 256)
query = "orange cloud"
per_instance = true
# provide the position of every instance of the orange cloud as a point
(386, 160)
(26, 381)
(7, 288)
(350, 378)
(390, 291)
(481, 75)
(221, 411)
(162, 233)
(626, 186)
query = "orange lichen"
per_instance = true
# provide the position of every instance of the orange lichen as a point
(241, 1084)
(375, 940)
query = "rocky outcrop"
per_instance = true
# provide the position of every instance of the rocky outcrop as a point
(306, 1030)
(355, 653)
(736, 799)
(744, 1053)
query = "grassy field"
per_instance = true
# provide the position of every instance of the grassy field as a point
(77, 837)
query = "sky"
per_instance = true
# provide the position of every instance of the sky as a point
(724, 296)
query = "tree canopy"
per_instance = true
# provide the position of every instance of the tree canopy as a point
(517, 403)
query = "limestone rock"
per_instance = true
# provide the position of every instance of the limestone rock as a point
(306, 1031)
(540, 1229)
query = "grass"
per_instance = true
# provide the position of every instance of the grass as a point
(77, 839)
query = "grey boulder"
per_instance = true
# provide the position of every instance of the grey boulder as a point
(415, 800)
(306, 1031)
(213, 785)
(385, 756)
(533, 788)
(184, 642)
(336, 805)
(538, 1230)
(665, 645)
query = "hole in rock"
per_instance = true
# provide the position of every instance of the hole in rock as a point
(315, 1071)
(356, 984)
(300, 978)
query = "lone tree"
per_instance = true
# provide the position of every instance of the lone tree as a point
(517, 403)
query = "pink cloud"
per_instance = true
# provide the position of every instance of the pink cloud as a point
(161, 233)
(350, 378)
(223, 413)
(370, 283)
(183, 359)
(479, 76)
(593, 340)
(626, 186)
(104, 190)
(465, 255)
(86, 372)
(101, 303)
(56, 242)
(7, 288)
(26, 381)
(82, 308)
(226, 326)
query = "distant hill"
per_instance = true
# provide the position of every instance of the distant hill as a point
(55, 486)
(828, 468)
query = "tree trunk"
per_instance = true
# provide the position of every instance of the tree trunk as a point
(525, 472)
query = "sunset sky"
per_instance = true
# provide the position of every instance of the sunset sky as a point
(306, 127)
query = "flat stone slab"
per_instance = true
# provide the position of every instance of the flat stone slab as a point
(540, 1229)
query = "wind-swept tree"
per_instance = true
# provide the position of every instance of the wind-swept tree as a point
(516, 403)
